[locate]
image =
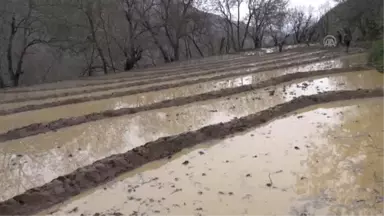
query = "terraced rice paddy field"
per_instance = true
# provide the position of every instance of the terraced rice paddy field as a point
(292, 133)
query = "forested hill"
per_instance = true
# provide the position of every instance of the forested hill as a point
(363, 17)
(50, 40)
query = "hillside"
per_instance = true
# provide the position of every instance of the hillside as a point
(364, 18)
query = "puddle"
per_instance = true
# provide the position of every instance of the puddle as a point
(49, 155)
(194, 76)
(324, 160)
(49, 114)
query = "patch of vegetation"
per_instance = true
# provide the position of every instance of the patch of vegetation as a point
(376, 55)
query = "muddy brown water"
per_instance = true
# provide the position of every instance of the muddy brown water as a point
(324, 160)
(33, 161)
(212, 85)
(198, 66)
(49, 114)
(128, 84)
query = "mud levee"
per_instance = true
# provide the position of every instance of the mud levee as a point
(39, 128)
(102, 171)
(144, 73)
(127, 83)
(149, 89)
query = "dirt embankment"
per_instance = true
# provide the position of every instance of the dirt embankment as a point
(39, 128)
(149, 89)
(155, 79)
(104, 170)
(145, 73)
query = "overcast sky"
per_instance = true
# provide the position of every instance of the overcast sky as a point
(313, 3)
(298, 3)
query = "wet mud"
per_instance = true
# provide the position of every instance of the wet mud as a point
(171, 71)
(56, 153)
(332, 167)
(39, 128)
(91, 93)
(129, 83)
(79, 109)
(112, 79)
(102, 171)
(152, 88)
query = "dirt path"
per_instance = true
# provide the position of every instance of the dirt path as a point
(41, 127)
(105, 170)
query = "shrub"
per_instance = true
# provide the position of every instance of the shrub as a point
(376, 55)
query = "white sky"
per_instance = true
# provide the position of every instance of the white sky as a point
(313, 3)
(299, 3)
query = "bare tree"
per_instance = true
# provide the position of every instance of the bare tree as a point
(280, 29)
(148, 16)
(224, 7)
(302, 22)
(25, 30)
(263, 12)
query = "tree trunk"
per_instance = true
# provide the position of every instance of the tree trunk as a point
(238, 26)
(256, 42)
(246, 31)
(129, 64)
(222, 41)
(280, 47)
(197, 47)
(176, 52)
(2, 84)
(10, 50)
(94, 38)
(188, 52)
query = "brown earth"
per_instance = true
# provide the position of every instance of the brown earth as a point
(144, 73)
(104, 170)
(126, 82)
(39, 128)
(149, 89)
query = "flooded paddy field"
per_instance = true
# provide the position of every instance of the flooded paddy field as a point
(136, 100)
(126, 84)
(303, 136)
(323, 160)
(46, 156)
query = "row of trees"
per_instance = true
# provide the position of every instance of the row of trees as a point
(264, 18)
(44, 40)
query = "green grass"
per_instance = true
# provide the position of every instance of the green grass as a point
(376, 55)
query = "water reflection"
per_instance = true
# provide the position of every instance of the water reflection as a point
(63, 151)
(296, 165)
(50, 114)
(199, 74)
